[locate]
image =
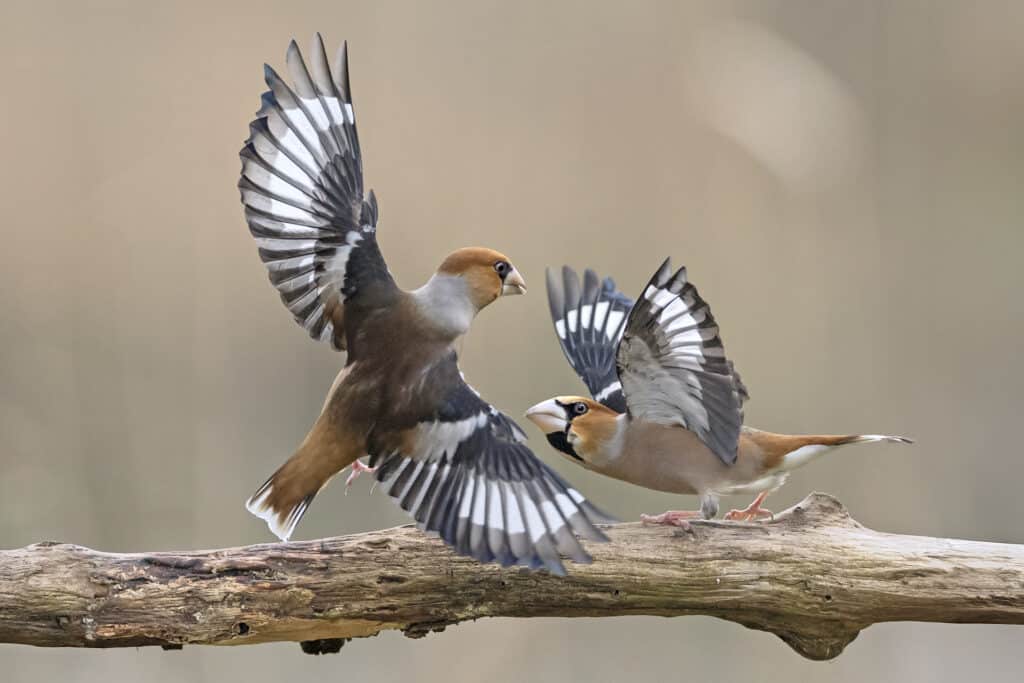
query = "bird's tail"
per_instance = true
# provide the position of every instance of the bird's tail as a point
(808, 448)
(786, 452)
(285, 496)
(870, 438)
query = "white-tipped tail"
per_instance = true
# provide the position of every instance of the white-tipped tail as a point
(283, 524)
(805, 454)
(867, 438)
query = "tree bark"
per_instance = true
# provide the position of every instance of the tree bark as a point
(812, 576)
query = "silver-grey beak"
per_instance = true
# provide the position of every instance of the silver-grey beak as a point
(548, 416)
(514, 284)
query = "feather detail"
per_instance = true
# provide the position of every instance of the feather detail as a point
(302, 188)
(465, 474)
(673, 368)
(589, 323)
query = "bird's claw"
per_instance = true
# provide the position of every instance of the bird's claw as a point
(679, 518)
(752, 512)
(749, 514)
(357, 468)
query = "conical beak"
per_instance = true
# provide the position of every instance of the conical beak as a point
(548, 416)
(514, 284)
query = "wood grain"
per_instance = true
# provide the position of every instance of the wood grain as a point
(812, 576)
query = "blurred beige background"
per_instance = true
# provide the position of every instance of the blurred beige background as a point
(842, 178)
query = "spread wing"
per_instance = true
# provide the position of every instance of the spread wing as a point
(589, 323)
(673, 367)
(302, 187)
(465, 473)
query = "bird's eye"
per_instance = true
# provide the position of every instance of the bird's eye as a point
(579, 408)
(502, 268)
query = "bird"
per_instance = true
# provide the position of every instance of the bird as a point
(455, 463)
(666, 411)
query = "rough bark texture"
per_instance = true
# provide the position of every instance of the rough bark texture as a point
(812, 576)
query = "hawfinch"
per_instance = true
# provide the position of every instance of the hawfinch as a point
(667, 411)
(454, 463)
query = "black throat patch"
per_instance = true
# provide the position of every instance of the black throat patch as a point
(559, 441)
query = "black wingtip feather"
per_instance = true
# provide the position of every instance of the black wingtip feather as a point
(677, 282)
(571, 288)
(662, 274)
(341, 77)
(556, 298)
(591, 287)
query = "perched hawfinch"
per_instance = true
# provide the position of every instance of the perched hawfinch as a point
(454, 463)
(667, 411)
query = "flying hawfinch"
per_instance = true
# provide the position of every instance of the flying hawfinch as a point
(454, 463)
(667, 411)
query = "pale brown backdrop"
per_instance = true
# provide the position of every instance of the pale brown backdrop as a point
(842, 178)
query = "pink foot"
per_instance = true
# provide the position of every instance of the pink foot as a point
(672, 518)
(752, 512)
(357, 468)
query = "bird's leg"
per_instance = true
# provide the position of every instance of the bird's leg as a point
(357, 468)
(751, 512)
(673, 518)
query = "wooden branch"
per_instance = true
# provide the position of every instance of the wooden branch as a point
(813, 576)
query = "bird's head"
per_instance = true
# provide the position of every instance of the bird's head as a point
(488, 274)
(576, 426)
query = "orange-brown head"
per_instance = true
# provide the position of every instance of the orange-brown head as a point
(488, 274)
(576, 426)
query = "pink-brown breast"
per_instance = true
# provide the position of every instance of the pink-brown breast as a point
(675, 460)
